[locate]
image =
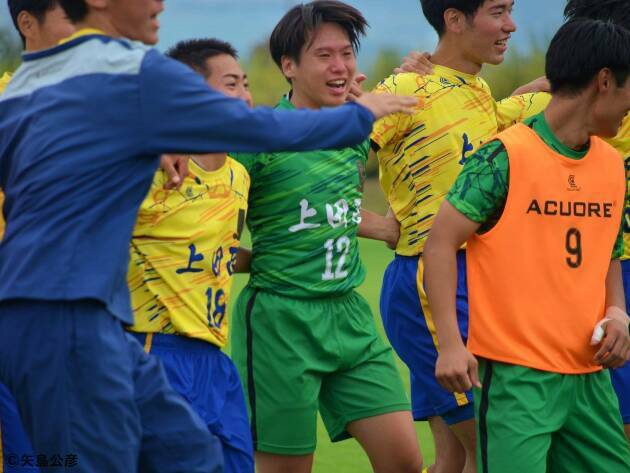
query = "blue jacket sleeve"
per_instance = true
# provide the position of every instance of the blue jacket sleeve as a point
(181, 113)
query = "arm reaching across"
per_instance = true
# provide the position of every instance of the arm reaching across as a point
(456, 368)
(417, 62)
(537, 85)
(377, 227)
(383, 104)
(189, 117)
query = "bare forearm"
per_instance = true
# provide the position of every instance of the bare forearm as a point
(377, 227)
(615, 296)
(440, 279)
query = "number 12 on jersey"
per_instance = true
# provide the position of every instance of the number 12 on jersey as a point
(341, 248)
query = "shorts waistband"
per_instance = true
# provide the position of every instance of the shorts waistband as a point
(322, 298)
(179, 342)
(460, 253)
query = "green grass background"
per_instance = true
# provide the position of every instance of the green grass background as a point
(347, 456)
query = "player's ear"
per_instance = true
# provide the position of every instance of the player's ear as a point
(605, 80)
(97, 4)
(454, 20)
(288, 67)
(26, 23)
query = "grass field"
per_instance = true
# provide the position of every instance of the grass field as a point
(347, 456)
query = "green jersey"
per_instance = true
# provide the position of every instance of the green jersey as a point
(481, 189)
(304, 212)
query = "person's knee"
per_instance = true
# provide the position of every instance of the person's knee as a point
(273, 463)
(409, 461)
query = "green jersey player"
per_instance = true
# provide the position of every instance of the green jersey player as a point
(303, 339)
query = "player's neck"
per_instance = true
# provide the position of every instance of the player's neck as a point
(450, 54)
(303, 101)
(568, 119)
(211, 161)
(99, 21)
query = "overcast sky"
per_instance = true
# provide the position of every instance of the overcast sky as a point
(394, 23)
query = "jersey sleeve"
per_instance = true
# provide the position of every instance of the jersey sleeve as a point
(517, 108)
(247, 160)
(391, 128)
(181, 113)
(480, 190)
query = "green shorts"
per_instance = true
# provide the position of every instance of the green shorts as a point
(531, 421)
(298, 356)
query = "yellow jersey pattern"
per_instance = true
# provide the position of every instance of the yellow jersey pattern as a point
(621, 143)
(420, 155)
(183, 253)
(513, 110)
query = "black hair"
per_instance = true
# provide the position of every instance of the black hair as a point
(617, 11)
(433, 11)
(76, 10)
(196, 52)
(37, 8)
(295, 29)
(581, 49)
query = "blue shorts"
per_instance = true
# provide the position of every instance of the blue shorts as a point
(411, 331)
(15, 446)
(90, 399)
(621, 376)
(208, 380)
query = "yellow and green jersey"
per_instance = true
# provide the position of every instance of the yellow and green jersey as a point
(305, 208)
(420, 155)
(4, 81)
(621, 143)
(183, 253)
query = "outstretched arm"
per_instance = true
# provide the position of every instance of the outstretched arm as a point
(189, 117)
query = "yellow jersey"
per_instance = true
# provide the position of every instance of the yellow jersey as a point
(183, 253)
(420, 155)
(515, 109)
(4, 81)
(621, 142)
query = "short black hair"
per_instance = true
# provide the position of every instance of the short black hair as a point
(196, 52)
(617, 11)
(76, 10)
(581, 49)
(37, 8)
(433, 11)
(296, 27)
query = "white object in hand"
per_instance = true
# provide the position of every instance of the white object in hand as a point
(598, 332)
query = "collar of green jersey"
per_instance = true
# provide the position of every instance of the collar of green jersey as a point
(285, 103)
(539, 124)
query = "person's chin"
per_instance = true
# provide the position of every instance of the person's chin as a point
(495, 59)
(335, 101)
